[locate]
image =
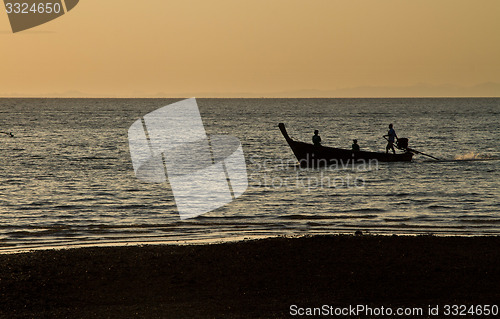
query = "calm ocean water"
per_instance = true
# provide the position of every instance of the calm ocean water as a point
(67, 178)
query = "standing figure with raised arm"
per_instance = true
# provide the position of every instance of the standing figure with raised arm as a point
(391, 138)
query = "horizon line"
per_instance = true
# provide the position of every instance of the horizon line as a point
(250, 97)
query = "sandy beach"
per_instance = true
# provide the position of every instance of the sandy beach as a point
(251, 279)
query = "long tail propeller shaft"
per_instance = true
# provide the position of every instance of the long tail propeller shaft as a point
(407, 149)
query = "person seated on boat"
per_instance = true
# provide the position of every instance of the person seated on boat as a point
(316, 138)
(391, 137)
(355, 145)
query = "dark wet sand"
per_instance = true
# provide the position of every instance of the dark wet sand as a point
(251, 279)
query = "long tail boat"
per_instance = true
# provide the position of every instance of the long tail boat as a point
(310, 155)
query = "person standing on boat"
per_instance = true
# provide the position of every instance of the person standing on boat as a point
(355, 145)
(316, 138)
(391, 137)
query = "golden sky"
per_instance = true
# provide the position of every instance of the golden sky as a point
(252, 47)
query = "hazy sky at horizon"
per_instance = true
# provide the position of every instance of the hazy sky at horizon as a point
(129, 47)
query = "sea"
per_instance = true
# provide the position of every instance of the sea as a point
(67, 178)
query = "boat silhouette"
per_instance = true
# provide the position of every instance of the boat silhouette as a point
(310, 155)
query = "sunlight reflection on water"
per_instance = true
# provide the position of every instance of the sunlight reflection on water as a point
(67, 176)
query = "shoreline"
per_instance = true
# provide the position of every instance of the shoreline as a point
(258, 278)
(135, 242)
(128, 243)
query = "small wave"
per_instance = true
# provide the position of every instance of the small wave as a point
(435, 206)
(480, 221)
(369, 210)
(397, 194)
(396, 219)
(62, 207)
(318, 217)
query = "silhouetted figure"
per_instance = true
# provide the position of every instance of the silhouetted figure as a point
(355, 146)
(316, 138)
(391, 137)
